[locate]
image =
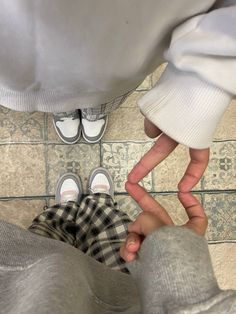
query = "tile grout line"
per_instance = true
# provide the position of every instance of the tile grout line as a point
(211, 242)
(123, 193)
(202, 199)
(105, 141)
(39, 142)
(225, 140)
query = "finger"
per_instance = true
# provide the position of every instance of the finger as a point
(160, 150)
(197, 217)
(145, 224)
(195, 170)
(147, 202)
(131, 246)
(150, 129)
(133, 242)
(128, 257)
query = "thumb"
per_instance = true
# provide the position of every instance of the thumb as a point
(145, 224)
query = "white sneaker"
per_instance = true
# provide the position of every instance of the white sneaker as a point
(100, 181)
(69, 189)
(93, 131)
(67, 126)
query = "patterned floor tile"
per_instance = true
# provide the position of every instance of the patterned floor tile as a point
(220, 209)
(226, 130)
(20, 126)
(120, 158)
(169, 201)
(146, 84)
(52, 135)
(157, 73)
(79, 159)
(20, 212)
(168, 174)
(125, 124)
(132, 100)
(22, 170)
(174, 208)
(221, 212)
(223, 260)
(221, 171)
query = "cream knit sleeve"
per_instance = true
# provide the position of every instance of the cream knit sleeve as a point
(200, 79)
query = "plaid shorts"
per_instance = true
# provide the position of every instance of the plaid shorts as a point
(93, 114)
(95, 226)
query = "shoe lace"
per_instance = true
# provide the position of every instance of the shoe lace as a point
(62, 116)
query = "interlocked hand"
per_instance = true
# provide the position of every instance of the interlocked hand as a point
(155, 216)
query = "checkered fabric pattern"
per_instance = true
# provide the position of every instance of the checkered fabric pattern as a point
(99, 112)
(95, 226)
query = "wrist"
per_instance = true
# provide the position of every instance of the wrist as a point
(185, 107)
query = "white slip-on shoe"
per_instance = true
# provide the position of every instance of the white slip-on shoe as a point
(100, 181)
(68, 189)
(93, 131)
(68, 126)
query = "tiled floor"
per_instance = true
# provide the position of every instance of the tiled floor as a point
(32, 159)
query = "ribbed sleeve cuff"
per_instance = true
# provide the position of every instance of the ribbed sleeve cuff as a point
(185, 107)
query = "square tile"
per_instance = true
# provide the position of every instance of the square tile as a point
(22, 170)
(169, 201)
(125, 124)
(167, 174)
(132, 100)
(21, 212)
(21, 126)
(221, 221)
(146, 84)
(78, 158)
(223, 261)
(220, 209)
(174, 208)
(226, 129)
(51, 133)
(121, 157)
(221, 171)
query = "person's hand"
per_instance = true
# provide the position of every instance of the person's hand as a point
(160, 150)
(155, 216)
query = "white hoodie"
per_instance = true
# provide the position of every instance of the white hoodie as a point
(60, 55)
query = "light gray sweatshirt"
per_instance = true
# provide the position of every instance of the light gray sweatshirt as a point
(60, 55)
(173, 275)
